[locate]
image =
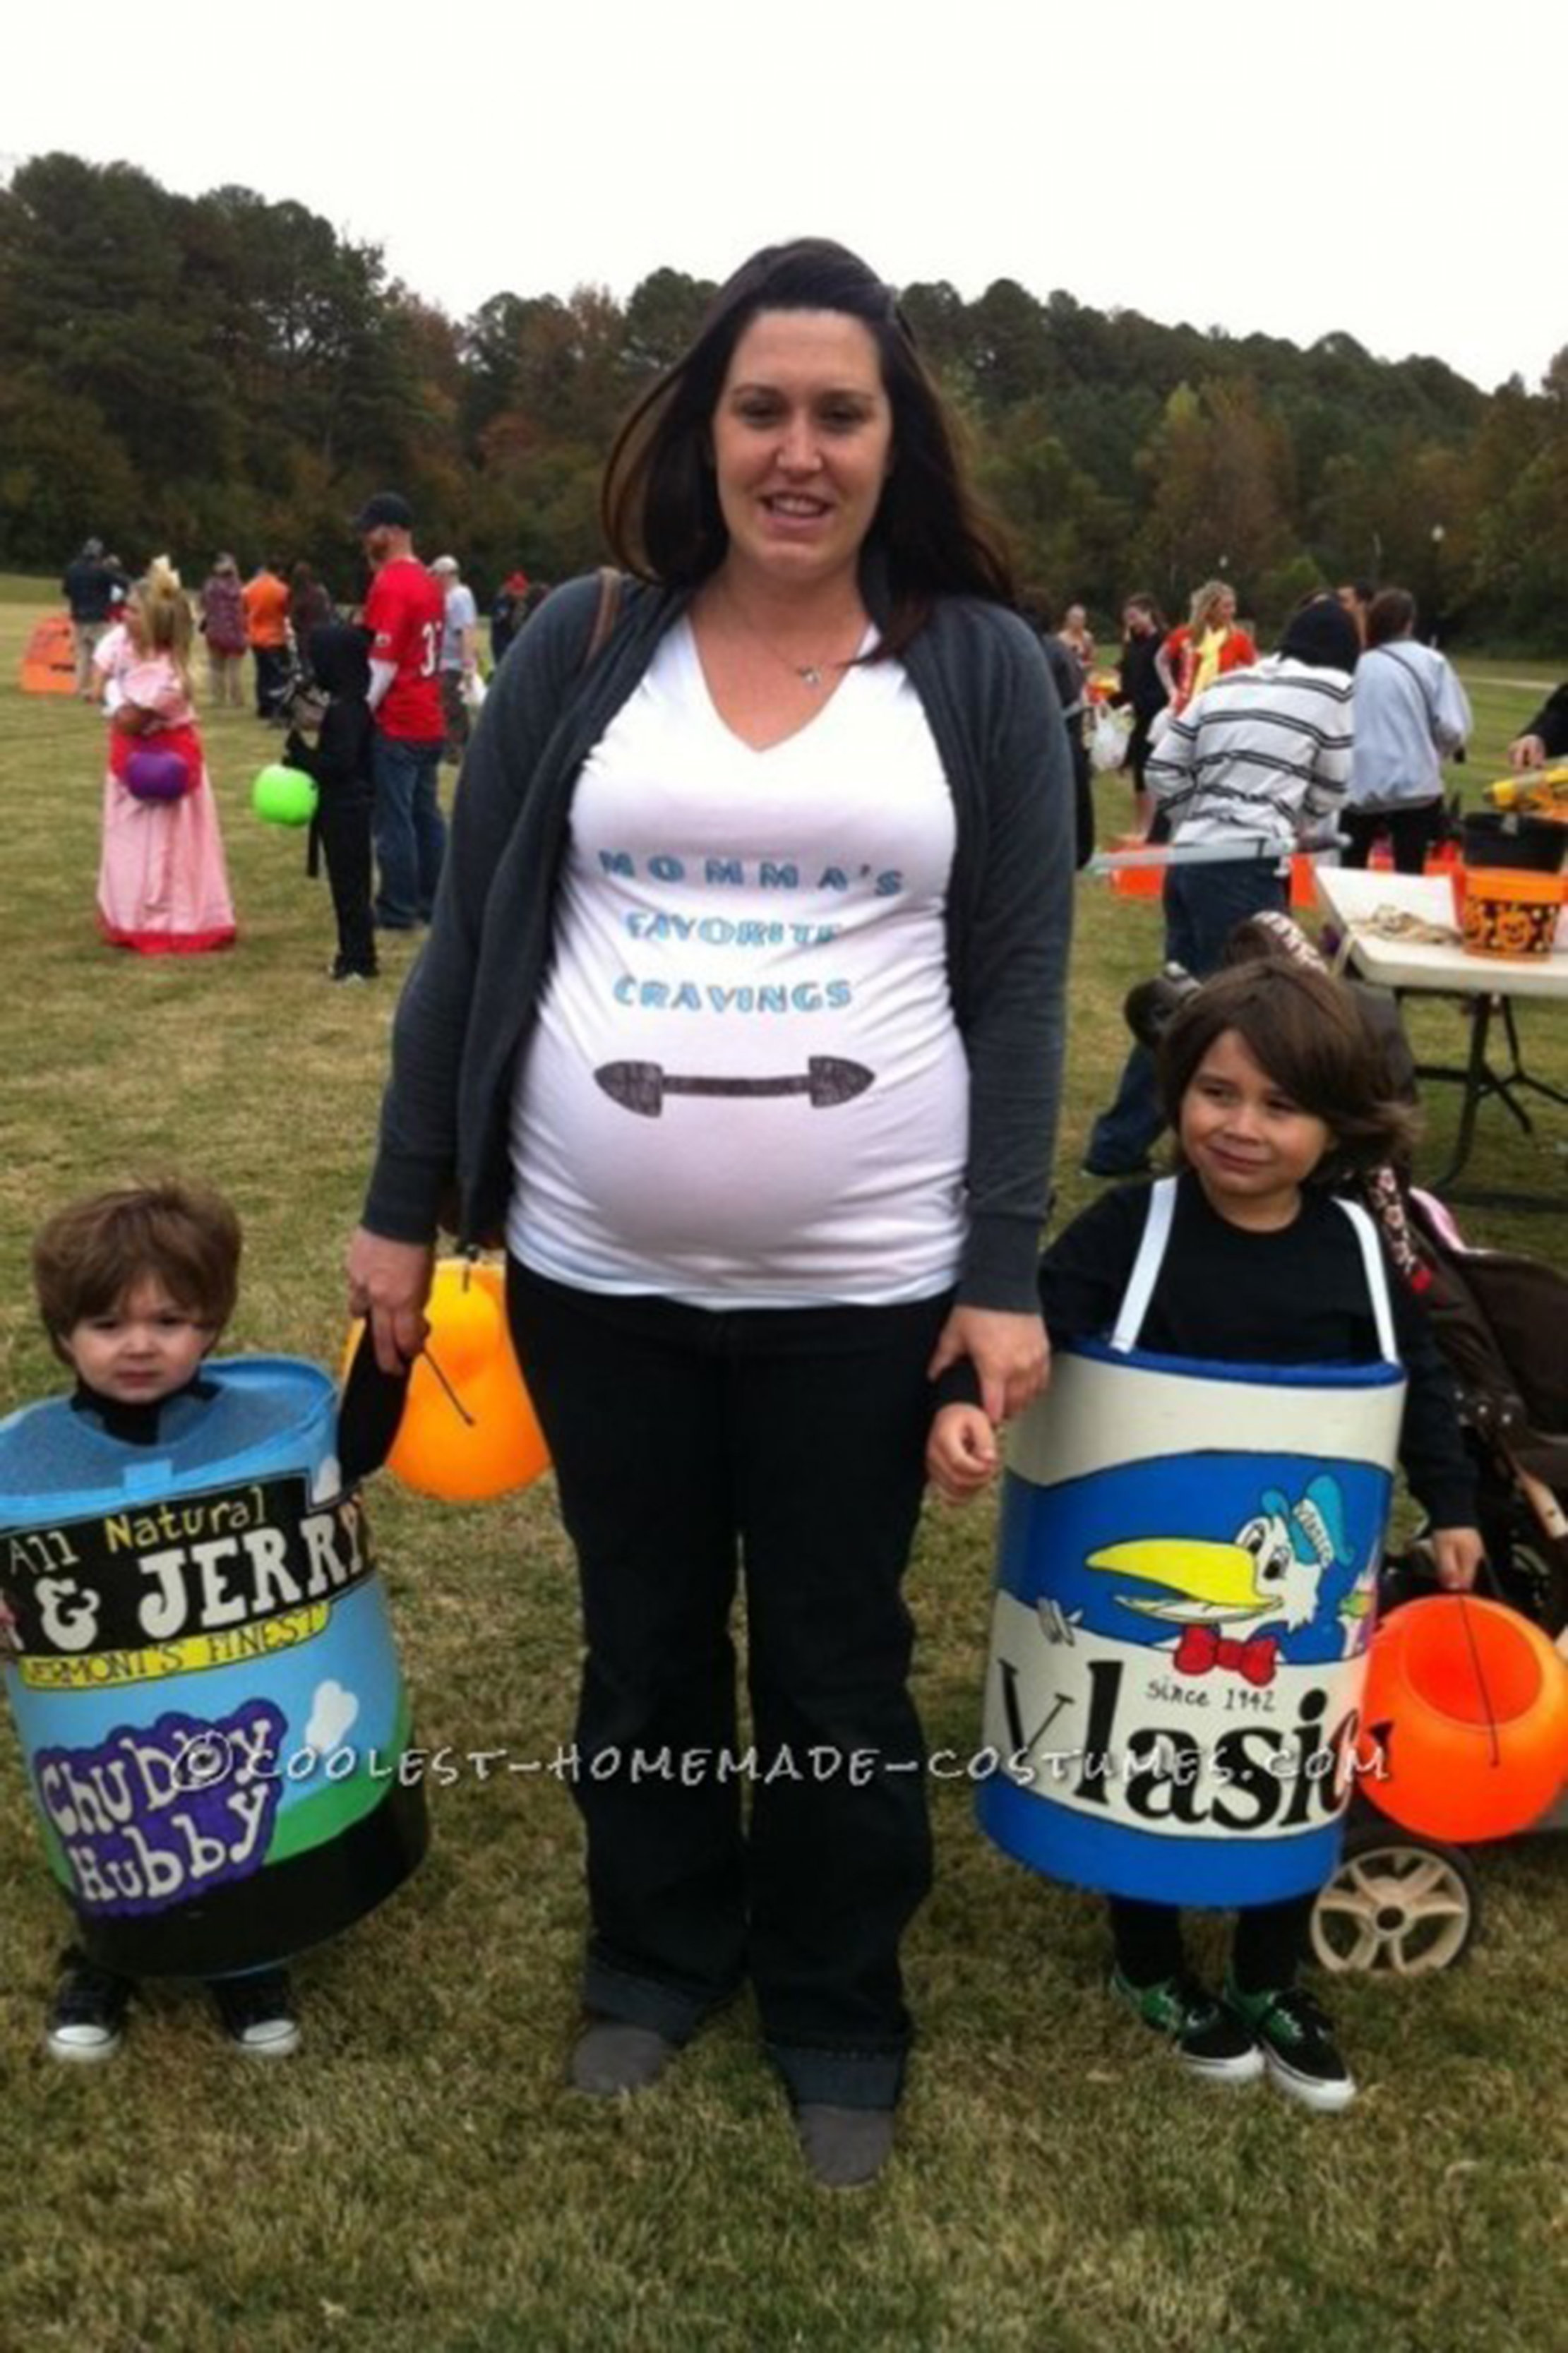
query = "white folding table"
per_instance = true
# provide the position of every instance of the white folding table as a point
(1352, 898)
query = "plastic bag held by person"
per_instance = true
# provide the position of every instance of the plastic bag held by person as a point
(1108, 742)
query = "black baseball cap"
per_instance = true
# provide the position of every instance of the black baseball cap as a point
(386, 508)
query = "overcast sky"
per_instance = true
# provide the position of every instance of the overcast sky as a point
(1392, 171)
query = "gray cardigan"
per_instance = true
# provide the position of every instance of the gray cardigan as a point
(470, 1002)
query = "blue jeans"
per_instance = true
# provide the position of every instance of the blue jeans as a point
(1204, 905)
(410, 831)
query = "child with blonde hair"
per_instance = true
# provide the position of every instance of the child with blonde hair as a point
(163, 886)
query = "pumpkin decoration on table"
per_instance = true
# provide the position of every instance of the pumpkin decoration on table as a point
(1508, 912)
(1508, 894)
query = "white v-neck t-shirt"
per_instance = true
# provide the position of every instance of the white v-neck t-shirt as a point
(746, 1086)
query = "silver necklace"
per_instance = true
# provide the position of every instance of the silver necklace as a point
(811, 674)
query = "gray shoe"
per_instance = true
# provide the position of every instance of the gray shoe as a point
(845, 2148)
(611, 2056)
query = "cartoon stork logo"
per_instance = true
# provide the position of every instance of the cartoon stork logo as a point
(1220, 1596)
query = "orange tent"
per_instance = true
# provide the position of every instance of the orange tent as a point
(48, 665)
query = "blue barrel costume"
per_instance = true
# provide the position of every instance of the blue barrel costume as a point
(205, 1682)
(1186, 1568)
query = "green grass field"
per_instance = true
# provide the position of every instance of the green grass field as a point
(416, 2181)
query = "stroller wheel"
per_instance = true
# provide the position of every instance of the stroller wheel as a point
(1543, 1580)
(1397, 1902)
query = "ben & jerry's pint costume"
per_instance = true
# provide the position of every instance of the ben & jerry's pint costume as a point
(205, 1680)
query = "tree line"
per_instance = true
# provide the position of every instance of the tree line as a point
(227, 372)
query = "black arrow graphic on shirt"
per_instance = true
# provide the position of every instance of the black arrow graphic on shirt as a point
(641, 1087)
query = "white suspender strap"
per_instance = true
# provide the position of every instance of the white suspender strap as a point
(1376, 1277)
(1145, 1266)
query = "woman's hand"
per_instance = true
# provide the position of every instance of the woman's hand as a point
(1011, 1356)
(1456, 1554)
(388, 1285)
(1527, 752)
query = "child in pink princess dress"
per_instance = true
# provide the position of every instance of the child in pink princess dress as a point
(163, 888)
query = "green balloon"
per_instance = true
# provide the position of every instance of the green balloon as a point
(283, 795)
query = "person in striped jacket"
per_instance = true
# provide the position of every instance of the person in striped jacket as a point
(1258, 762)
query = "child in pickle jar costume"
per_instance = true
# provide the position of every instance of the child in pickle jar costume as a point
(1273, 1088)
(164, 1689)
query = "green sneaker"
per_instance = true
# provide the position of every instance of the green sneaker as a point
(1297, 2040)
(1208, 2039)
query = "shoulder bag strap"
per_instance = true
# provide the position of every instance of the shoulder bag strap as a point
(1429, 701)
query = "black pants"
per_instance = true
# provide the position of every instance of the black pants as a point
(1138, 750)
(342, 828)
(1411, 832)
(272, 677)
(687, 1443)
(1270, 1942)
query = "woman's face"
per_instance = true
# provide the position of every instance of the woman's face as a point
(1223, 612)
(802, 439)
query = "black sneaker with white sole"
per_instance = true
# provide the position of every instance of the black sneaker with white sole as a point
(258, 2012)
(87, 2017)
(1207, 2038)
(1296, 2037)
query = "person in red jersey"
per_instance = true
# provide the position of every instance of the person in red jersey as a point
(405, 613)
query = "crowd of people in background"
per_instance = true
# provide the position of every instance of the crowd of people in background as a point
(420, 628)
(1411, 712)
(371, 699)
(269, 616)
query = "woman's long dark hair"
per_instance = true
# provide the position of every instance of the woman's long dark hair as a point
(659, 502)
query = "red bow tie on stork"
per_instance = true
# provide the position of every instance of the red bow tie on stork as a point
(1201, 1650)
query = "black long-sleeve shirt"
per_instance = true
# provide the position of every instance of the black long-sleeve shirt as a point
(1297, 1296)
(1551, 723)
(1142, 690)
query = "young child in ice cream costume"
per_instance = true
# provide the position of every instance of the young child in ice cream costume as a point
(1273, 1088)
(135, 1288)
